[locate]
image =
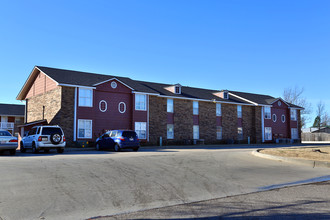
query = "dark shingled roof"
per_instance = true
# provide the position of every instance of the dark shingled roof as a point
(78, 78)
(12, 109)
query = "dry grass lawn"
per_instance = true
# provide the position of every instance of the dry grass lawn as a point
(309, 153)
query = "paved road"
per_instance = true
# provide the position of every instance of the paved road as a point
(81, 185)
(310, 201)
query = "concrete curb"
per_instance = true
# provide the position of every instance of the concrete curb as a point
(69, 149)
(312, 163)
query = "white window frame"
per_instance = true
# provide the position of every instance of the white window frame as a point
(83, 98)
(239, 111)
(218, 109)
(122, 103)
(293, 114)
(179, 89)
(268, 114)
(195, 132)
(91, 128)
(140, 102)
(170, 105)
(219, 132)
(268, 134)
(274, 117)
(195, 108)
(170, 135)
(240, 136)
(139, 128)
(283, 118)
(294, 133)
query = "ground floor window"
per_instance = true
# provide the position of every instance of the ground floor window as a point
(268, 133)
(141, 129)
(294, 133)
(219, 132)
(170, 131)
(196, 131)
(240, 133)
(84, 128)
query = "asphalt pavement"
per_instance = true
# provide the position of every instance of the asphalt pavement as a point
(81, 185)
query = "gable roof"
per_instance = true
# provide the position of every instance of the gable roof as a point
(12, 110)
(77, 78)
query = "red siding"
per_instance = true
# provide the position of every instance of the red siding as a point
(11, 119)
(41, 84)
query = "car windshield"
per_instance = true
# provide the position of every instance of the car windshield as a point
(4, 133)
(50, 131)
(129, 134)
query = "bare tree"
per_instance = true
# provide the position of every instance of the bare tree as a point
(322, 114)
(294, 96)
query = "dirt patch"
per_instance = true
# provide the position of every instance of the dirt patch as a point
(309, 153)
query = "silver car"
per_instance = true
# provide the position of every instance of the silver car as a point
(8, 142)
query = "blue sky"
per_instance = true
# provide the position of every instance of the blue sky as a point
(252, 46)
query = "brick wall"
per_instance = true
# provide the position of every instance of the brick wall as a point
(207, 122)
(157, 119)
(257, 124)
(229, 122)
(183, 119)
(66, 113)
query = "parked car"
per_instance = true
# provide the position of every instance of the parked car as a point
(44, 138)
(8, 142)
(117, 140)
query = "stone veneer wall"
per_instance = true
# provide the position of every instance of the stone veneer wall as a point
(207, 122)
(157, 119)
(52, 102)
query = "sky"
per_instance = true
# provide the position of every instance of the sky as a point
(243, 45)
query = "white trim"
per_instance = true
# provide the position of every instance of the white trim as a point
(283, 121)
(114, 78)
(296, 108)
(146, 93)
(75, 115)
(106, 106)
(281, 100)
(91, 128)
(148, 118)
(124, 107)
(273, 117)
(254, 103)
(89, 106)
(262, 125)
(70, 85)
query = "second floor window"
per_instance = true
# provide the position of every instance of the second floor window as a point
(218, 109)
(239, 111)
(195, 108)
(140, 102)
(85, 97)
(293, 113)
(169, 105)
(267, 113)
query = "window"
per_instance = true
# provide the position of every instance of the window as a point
(268, 133)
(239, 111)
(274, 118)
(140, 102)
(218, 106)
(177, 90)
(195, 108)
(85, 97)
(283, 118)
(294, 133)
(240, 133)
(141, 129)
(122, 107)
(170, 131)
(169, 105)
(219, 132)
(196, 132)
(293, 113)
(267, 112)
(225, 95)
(84, 128)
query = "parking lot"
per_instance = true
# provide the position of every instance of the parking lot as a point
(80, 185)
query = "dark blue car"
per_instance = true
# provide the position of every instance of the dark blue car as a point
(117, 140)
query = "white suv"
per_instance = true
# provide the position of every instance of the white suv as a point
(44, 137)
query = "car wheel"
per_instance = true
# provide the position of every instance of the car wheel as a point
(117, 148)
(136, 149)
(46, 150)
(60, 150)
(22, 148)
(97, 146)
(34, 149)
(12, 152)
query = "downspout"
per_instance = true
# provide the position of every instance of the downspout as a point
(75, 116)
(262, 125)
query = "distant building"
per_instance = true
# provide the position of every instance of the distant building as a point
(11, 116)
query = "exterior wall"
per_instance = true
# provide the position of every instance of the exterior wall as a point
(41, 85)
(66, 114)
(51, 101)
(229, 122)
(183, 119)
(258, 124)
(158, 119)
(207, 122)
(248, 123)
